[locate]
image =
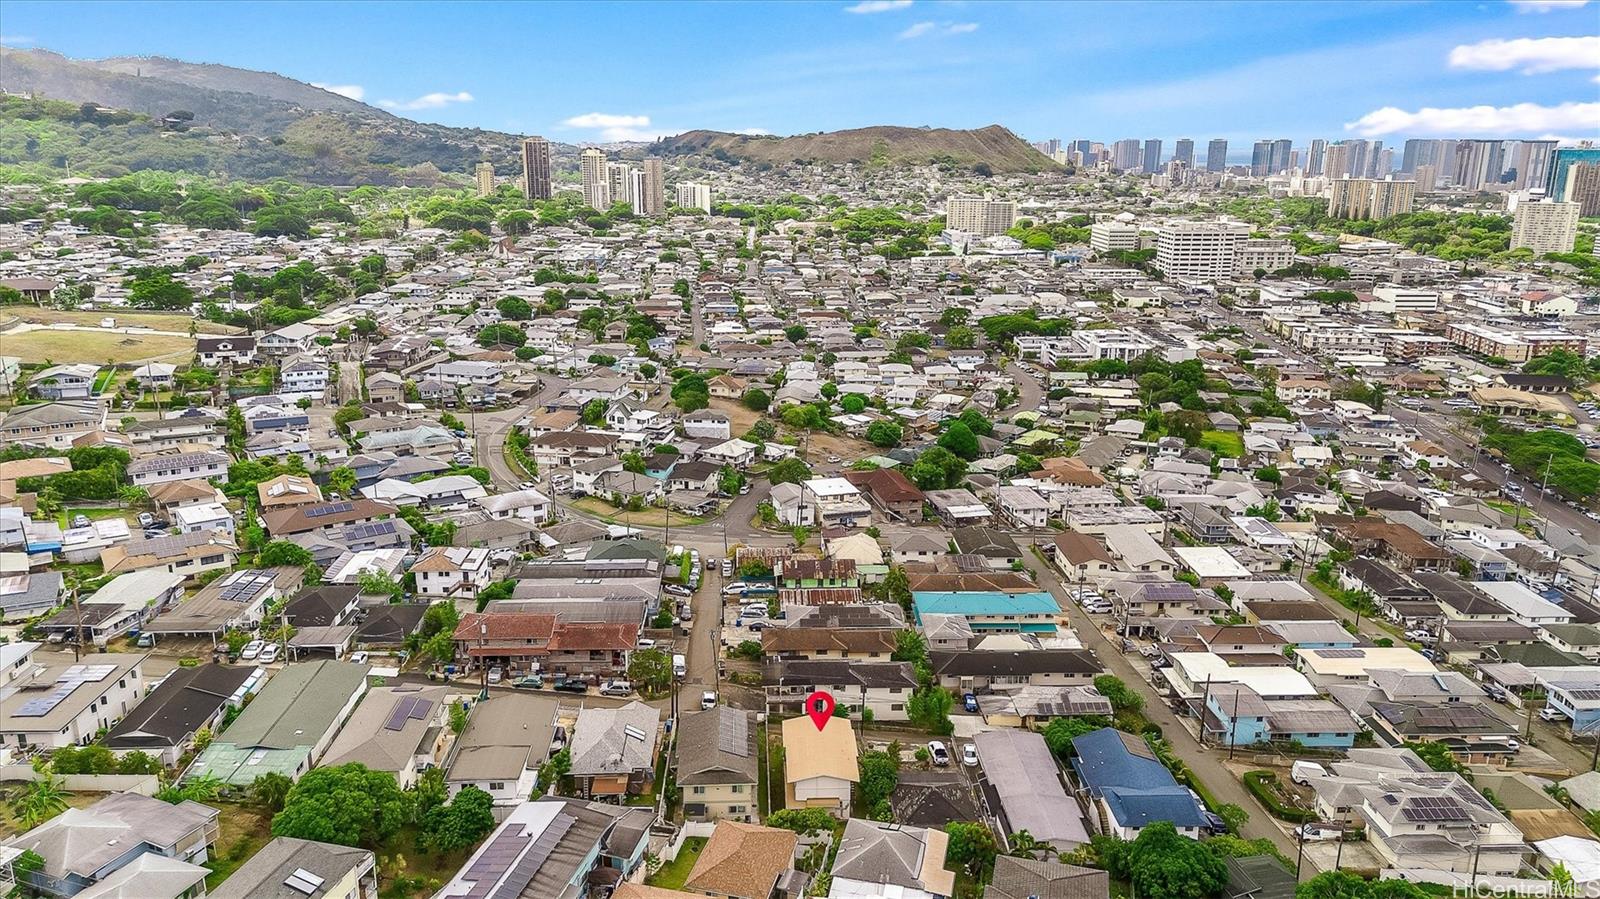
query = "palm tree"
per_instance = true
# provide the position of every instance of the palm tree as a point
(271, 790)
(42, 801)
(1023, 845)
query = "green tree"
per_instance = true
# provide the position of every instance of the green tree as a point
(898, 587)
(1165, 865)
(802, 820)
(502, 335)
(973, 847)
(880, 774)
(342, 480)
(594, 412)
(884, 433)
(346, 804)
(789, 471)
(938, 468)
(651, 669)
(137, 762)
(1060, 732)
(853, 403)
(960, 440)
(41, 800)
(757, 399)
(1123, 699)
(465, 820)
(286, 553)
(514, 309)
(271, 790)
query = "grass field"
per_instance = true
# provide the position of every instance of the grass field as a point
(1223, 443)
(674, 873)
(242, 831)
(155, 321)
(59, 347)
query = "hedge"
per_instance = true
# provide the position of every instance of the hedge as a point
(1259, 783)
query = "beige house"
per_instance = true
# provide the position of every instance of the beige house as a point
(819, 766)
(718, 768)
(743, 861)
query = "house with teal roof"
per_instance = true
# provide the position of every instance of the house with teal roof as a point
(992, 611)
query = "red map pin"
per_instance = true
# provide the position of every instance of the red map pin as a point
(819, 706)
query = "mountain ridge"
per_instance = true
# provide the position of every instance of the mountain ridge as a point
(992, 145)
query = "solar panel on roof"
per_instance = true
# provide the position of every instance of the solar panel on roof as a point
(329, 509)
(494, 861)
(734, 737)
(420, 708)
(400, 713)
(1434, 809)
(1584, 694)
(539, 853)
(1341, 653)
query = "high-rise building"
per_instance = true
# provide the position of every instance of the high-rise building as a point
(1183, 151)
(1151, 161)
(1531, 159)
(1199, 249)
(1119, 233)
(1417, 152)
(654, 201)
(1319, 149)
(1364, 198)
(1384, 167)
(1125, 155)
(694, 196)
(536, 168)
(1427, 175)
(1336, 164)
(1545, 227)
(1217, 155)
(484, 176)
(637, 190)
(1360, 156)
(596, 185)
(1086, 147)
(1281, 151)
(980, 215)
(1261, 159)
(1048, 147)
(1575, 175)
(1478, 163)
(619, 182)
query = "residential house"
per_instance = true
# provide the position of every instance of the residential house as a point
(402, 730)
(1128, 787)
(51, 703)
(165, 722)
(819, 764)
(288, 726)
(717, 764)
(85, 847)
(507, 738)
(1023, 787)
(744, 861)
(614, 750)
(291, 868)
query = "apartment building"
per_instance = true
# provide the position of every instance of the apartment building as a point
(1512, 345)
(1200, 249)
(980, 215)
(1545, 227)
(1364, 198)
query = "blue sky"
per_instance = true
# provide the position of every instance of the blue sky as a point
(594, 71)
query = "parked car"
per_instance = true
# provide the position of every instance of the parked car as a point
(737, 588)
(251, 650)
(678, 590)
(727, 568)
(708, 700)
(1302, 772)
(359, 657)
(1316, 833)
(80, 521)
(571, 686)
(146, 520)
(744, 488)
(1550, 713)
(496, 674)
(938, 752)
(269, 654)
(616, 688)
(646, 643)
(529, 681)
(969, 755)
(970, 702)
(1498, 694)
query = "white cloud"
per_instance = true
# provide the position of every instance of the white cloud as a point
(1534, 56)
(754, 132)
(1546, 5)
(1523, 118)
(16, 40)
(435, 100)
(867, 7)
(610, 127)
(937, 29)
(353, 91)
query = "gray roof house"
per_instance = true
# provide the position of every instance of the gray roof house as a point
(288, 726)
(290, 868)
(82, 847)
(613, 750)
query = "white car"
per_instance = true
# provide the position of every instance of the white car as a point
(251, 650)
(646, 643)
(737, 588)
(708, 700)
(1550, 713)
(938, 752)
(269, 654)
(1316, 833)
(496, 674)
(969, 755)
(359, 658)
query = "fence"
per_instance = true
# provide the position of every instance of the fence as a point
(143, 784)
(670, 850)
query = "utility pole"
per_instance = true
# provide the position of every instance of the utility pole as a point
(1233, 729)
(77, 626)
(1205, 702)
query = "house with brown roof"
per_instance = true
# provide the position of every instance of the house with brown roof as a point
(890, 491)
(287, 491)
(1082, 558)
(1396, 543)
(743, 861)
(324, 519)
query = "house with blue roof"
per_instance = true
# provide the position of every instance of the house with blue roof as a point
(1128, 787)
(992, 611)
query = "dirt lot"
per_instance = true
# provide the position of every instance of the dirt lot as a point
(95, 346)
(155, 321)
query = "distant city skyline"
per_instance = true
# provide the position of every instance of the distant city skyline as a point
(1243, 72)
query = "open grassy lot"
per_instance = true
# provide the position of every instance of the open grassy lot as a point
(674, 873)
(155, 321)
(1223, 443)
(244, 829)
(94, 346)
(10, 826)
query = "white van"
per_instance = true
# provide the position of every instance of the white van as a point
(1302, 772)
(680, 665)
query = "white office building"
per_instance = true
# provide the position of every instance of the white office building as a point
(694, 196)
(980, 215)
(1200, 249)
(1119, 233)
